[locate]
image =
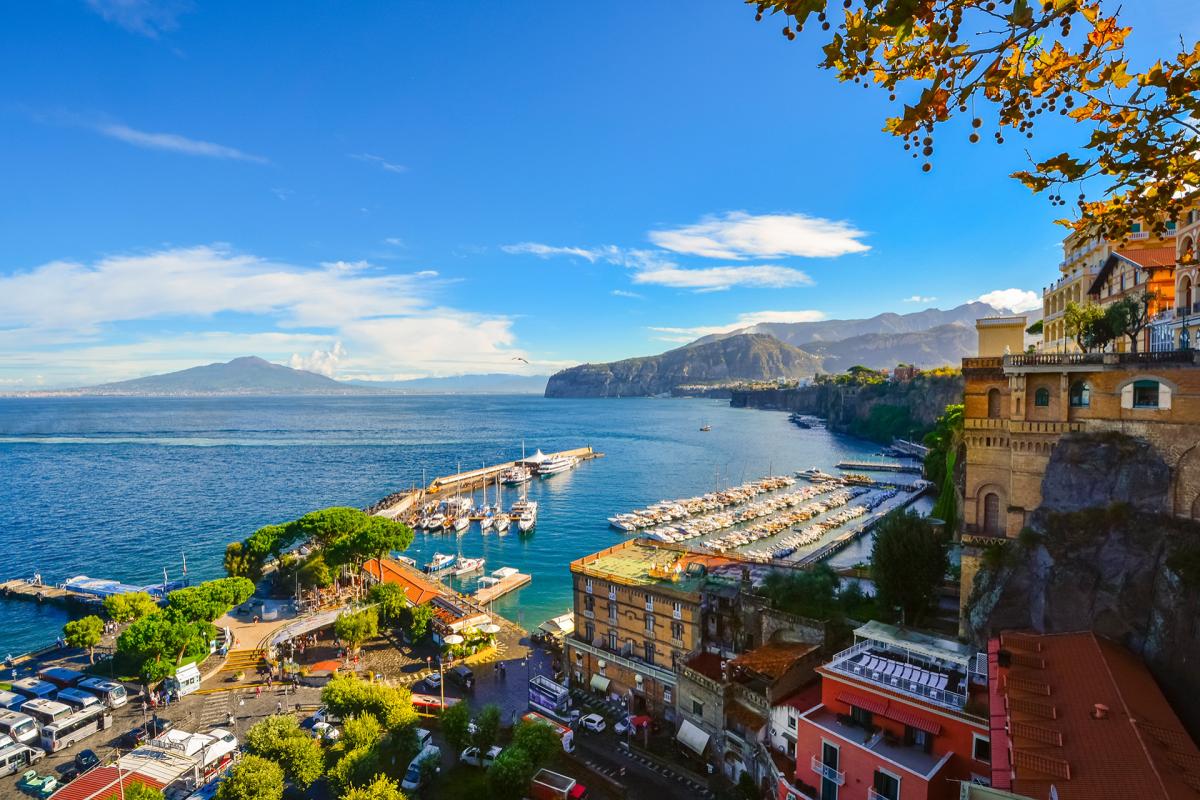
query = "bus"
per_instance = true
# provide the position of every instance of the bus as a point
(564, 733)
(15, 757)
(19, 727)
(77, 699)
(112, 693)
(74, 728)
(426, 705)
(550, 698)
(46, 711)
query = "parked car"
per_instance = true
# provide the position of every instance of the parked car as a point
(85, 760)
(418, 773)
(622, 726)
(471, 756)
(323, 731)
(463, 676)
(144, 733)
(434, 680)
(424, 737)
(322, 714)
(593, 722)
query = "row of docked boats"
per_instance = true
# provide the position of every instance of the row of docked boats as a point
(673, 510)
(455, 514)
(811, 534)
(777, 523)
(540, 465)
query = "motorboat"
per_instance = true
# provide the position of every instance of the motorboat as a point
(434, 522)
(528, 518)
(552, 466)
(440, 563)
(515, 476)
(467, 566)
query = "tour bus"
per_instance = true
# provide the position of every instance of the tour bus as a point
(46, 711)
(11, 701)
(74, 728)
(111, 693)
(77, 699)
(15, 757)
(20, 727)
(32, 688)
(62, 677)
(564, 733)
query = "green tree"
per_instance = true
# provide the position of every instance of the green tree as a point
(539, 742)
(326, 526)
(207, 601)
(908, 564)
(1129, 316)
(240, 562)
(129, 607)
(252, 778)
(456, 722)
(315, 572)
(382, 788)
(355, 768)
(808, 593)
(417, 621)
(361, 730)
(136, 790)
(157, 642)
(280, 739)
(347, 695)
(357, 627)
(381, 536)
(1086, 325)
(509, 775)
(487, 727)
(391, 601)
(85, 632)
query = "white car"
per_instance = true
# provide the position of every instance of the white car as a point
(433, 680)
(471, 756)
(593, 722)
(325, 732)
(622, 726)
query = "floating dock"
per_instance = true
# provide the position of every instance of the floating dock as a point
(509, 583)
(402, 504)
(880, 466)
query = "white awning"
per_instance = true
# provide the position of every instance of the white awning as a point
(600, 683)
(692, 737)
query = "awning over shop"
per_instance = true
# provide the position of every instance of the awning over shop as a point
(692, 737)
(600, 683)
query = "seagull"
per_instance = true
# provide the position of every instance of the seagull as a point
(518, 358)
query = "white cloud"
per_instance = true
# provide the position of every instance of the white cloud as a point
(1012, 299)
(916, 298)
(746, 320)
(147, 17)
(739, 236)
(129, 315)
(380, 162)
(394, 241)
(550, 251)
(624, 293)
(710, 279)
(174, 143)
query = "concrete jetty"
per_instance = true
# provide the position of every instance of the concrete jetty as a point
(866, 465)
(24, 589)
(509, 583)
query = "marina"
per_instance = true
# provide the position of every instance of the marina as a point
(498, 584)
(868, 465)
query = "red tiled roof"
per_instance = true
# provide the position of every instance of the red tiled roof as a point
(1053, 682)
(101, 784)
(773, 659)
(417, 588)
(1151, 256)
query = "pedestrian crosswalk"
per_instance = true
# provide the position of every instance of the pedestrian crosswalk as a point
(215, 711)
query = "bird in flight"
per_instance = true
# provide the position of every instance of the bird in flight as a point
(518, 358)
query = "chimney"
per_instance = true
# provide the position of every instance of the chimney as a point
(1099, 711)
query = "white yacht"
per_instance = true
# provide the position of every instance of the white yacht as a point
(434, 522)
(552, 466)
(528, 518)
(515, 476)
(467, 566)
(440, 563)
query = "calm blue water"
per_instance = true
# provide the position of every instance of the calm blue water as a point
(121, 488)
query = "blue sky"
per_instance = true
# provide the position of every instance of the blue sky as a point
(399, 189)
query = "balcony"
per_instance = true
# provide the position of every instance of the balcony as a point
(827, 772)
(874, 795)
(927, 765)
(626, 660)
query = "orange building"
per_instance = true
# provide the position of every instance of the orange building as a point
(1076, 717)
(1130, 273)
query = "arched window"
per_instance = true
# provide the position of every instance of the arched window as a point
(991, 513)
(993, 403)
(1081, 394)
(1145, 394)
(1041, 397)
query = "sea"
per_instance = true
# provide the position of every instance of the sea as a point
(130, 488)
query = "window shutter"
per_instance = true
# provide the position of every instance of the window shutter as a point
(1164, 396)
(1127, 396)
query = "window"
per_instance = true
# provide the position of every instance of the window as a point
(1081, 394)
(677, 630)
(697, 707)
(589, 603)
(861, 716)
(649, 602)
(589, 632)
(612, 640)
(587, 585)
(993, 403)
(612, 593)
(1137, 228)
(991, 513)
(648, 652)
(601, 665)
(886, 785)
(612, 611)
(981, 748)
(649, 623)
(918, 738)
(792, 719)
(1041, 397)
(677, 610)
(1145, 394)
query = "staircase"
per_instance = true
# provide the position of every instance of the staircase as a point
(247, 660)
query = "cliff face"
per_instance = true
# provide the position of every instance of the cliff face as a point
(879, 411)
(748, 357)
(1104, 554)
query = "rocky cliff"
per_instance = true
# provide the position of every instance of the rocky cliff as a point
(749, 357)
(1102, 553)
(878, 411)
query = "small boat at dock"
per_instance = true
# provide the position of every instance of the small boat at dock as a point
(467, 566)
(528, 518)
(440, 563)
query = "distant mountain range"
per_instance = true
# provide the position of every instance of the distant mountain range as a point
(749, 356)
(773, 350)
(250, 375)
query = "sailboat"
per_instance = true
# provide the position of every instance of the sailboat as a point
(486, 522)
(525, 510)
(502, 520)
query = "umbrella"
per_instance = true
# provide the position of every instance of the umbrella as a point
(453, 638)
(490, 629)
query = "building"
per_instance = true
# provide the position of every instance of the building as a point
(417, 588)
(637, 613)
(902, 716)
(1076, 717)
(1083, 259)
(1000, 336)
(1168, 327)
(1134, 273)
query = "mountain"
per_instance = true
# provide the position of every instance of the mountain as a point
(936, 347)
(801, 334)
(248, 375)
(745, 357)
(491, 383)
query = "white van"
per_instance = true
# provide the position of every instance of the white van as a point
(46, 711)
(414, 777)
(16, 757)
(20, 727)
(111, 693)
(78, 699)
(185, 680)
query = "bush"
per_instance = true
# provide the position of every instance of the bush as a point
(252, 778)
(349, 696)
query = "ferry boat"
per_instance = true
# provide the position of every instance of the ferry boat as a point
(552, 466)
(440, 563)
(468, 565)
(515, 476)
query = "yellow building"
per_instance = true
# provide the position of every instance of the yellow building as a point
(1000, 336)
(1083, 260)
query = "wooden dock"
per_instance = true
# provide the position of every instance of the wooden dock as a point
(402, 504)
(506, 585)
(23, 589)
